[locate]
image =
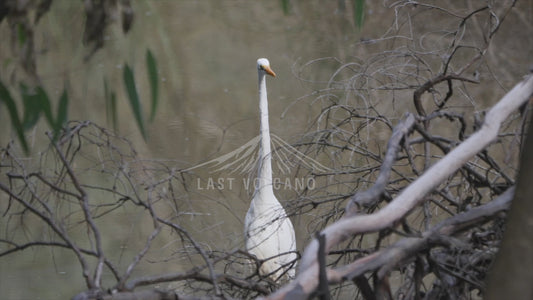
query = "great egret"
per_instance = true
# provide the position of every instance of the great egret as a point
(269, 233)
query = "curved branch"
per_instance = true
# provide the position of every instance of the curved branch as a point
(431, 83)
(389, 258)
(372, 195)
(413, 195)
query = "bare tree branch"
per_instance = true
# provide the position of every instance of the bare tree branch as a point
(411, 211)
(307, 278)
(390, 257)
(371, 196)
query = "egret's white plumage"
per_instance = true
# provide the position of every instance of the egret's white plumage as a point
(268, 231)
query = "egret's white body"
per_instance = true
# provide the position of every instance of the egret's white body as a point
(268, 231)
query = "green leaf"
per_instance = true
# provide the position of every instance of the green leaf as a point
(32, 107)
(6, 98)
(35, 101)
(154, 80)
(62, 113)
(44, 101)
(22, 34)
(358, 12)
(111, 105)
(285, 5)
(129, 82)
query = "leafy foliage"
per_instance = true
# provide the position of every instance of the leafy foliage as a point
(5, 97)
(35, 99)
(151, 65)
(358, 12)
(35, 102)
(285, 5)
(133, 96)
(111, 105)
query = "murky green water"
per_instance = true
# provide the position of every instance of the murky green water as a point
(206, 53)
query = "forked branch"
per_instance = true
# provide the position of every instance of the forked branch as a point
(307, 279)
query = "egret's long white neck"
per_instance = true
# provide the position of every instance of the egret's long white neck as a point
(265, 154)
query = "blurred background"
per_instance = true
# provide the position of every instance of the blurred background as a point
(206, 55)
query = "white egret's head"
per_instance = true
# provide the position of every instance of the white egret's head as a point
(263, 65)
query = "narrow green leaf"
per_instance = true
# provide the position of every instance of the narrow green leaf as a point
(285, 5)
(35, 101)
(111, 105)
(358, 12)
(129, 82)
(154, 81)
(46, 107)
(22, 34)
(62, 114)
(5, 97)
(32, 107)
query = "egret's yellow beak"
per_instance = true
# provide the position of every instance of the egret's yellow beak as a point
(269, 71)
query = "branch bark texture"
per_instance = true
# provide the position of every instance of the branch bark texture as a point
(307, 279)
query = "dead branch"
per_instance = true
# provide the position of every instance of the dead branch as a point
(371, 196)
(38, 193)
(307, 278)
(357, 108)
(430, 84)
(389, 258)
(145, 295)
(323, 290)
